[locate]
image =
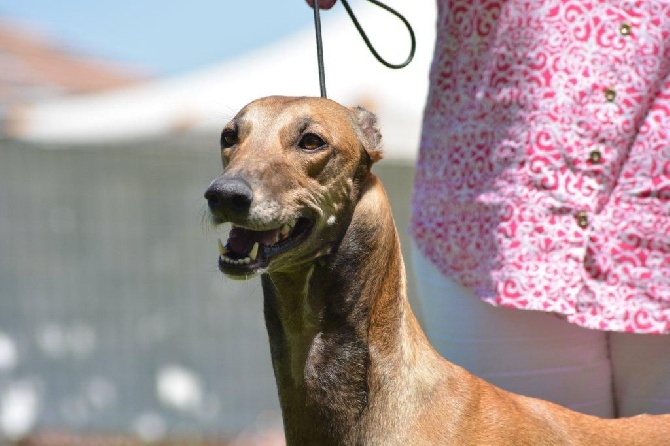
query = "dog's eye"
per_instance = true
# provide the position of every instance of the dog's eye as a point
(228, 138)
(311, 142)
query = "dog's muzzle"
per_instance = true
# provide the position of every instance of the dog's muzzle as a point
(249, 249)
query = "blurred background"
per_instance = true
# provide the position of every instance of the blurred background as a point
(116, 327)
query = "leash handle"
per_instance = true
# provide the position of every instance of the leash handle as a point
(380, 59)
(372, 49)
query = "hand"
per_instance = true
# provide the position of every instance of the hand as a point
(323, 4)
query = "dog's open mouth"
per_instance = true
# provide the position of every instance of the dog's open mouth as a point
(247, 250)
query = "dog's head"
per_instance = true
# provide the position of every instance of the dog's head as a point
(292, 173)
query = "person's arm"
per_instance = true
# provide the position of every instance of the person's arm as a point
(323, 4)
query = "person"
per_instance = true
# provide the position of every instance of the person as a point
(541, 203)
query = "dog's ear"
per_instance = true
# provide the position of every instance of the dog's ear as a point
(371, 136)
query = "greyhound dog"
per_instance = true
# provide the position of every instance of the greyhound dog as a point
(351, 363)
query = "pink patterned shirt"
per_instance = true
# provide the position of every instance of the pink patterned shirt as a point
(543, 180)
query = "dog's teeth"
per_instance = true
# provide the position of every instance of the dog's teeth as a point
(285, 230)
(227, 259)
(244, 261)
(254, 252)
(222, 249)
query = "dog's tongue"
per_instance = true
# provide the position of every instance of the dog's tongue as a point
(241, 240)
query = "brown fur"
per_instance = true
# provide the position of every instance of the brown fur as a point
(351, 363)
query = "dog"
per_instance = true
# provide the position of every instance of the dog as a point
(352, 365)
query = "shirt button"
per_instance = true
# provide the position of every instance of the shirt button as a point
(610, 95)
(582, 219)
(595, 156)
(624, 29)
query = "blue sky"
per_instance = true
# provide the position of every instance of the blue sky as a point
(163, 37)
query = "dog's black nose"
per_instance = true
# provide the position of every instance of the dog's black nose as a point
(230, 195)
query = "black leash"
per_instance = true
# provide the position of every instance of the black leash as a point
(319, 41)
(319, 49)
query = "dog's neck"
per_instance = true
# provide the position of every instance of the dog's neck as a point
(341, 330)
